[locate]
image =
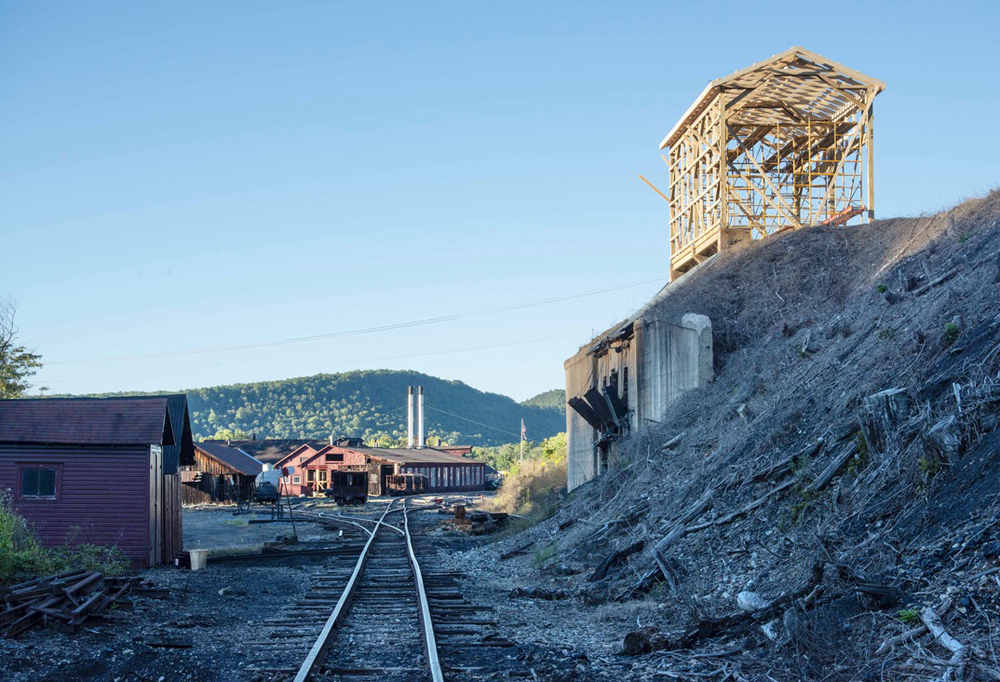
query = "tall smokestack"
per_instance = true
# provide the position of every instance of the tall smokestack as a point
(420, 416)
(409, 417)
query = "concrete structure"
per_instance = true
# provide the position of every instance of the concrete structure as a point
(627, 377)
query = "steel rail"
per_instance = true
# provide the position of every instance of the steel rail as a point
(430, 643)
(322, 645)
(333, 519)
(341, 515)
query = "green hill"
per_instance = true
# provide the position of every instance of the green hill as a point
(550, 400)
(366, 404)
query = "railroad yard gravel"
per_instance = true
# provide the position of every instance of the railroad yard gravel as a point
(204, 629)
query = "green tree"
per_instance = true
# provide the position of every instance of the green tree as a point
(17, 363)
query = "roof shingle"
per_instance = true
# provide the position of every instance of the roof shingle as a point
(86, 421)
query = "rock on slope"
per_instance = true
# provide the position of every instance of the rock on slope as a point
(830, 508)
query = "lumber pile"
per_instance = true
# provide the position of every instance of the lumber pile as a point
(68, 599)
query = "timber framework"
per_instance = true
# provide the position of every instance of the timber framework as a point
(782, 144)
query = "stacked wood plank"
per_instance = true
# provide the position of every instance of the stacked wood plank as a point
(67, 599)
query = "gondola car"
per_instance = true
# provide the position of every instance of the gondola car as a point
(348, 487)
(406, 484)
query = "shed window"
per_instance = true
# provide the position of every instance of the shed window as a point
(296, 479)
(335, 457)
(38, 482)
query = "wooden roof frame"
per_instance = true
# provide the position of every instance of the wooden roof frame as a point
(737, 81)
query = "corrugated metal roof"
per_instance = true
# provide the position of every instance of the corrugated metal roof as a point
(232, 457)
(272, 449)
(91, 421)
(415, 455)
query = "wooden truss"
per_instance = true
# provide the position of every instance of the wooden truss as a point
(780, 145)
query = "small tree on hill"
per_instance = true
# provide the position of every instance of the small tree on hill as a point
(17, 363)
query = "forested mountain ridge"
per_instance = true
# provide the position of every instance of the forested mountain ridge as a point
(552, 400)
(368, 404)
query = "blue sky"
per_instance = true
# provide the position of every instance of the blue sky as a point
(200, 175)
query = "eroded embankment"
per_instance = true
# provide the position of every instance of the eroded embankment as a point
(832, 497)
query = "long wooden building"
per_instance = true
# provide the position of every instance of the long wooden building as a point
(219, 474)
(97, 471)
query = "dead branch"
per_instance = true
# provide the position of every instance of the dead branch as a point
(958, 650)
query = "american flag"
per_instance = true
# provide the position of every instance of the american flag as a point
(524, 432)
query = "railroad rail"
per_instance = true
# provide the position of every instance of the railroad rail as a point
(389, 616)
(381, 623)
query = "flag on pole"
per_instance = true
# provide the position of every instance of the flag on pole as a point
(524, 433)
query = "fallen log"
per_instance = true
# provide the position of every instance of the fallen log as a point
(937, 281)
(786, 465)
(736, 621)
(832, 469)
(614, 559)
(729, 518)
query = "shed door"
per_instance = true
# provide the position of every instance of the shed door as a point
(155, 503)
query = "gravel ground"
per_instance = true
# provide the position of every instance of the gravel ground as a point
(216, 611)
(214, 625)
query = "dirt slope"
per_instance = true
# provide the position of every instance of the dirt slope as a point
(789, 490)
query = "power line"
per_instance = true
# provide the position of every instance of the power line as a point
(458, 416)
(335, 364)
(356, 332)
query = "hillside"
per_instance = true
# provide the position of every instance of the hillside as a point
(831, 490)
(552, 400)
(365, 404)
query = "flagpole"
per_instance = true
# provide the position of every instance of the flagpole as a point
(521, 460)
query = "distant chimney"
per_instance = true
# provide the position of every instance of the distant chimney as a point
(331, 439)
(420, 416)
(409, 417)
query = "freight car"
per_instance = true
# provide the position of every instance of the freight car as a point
(406, 484)
(348, 487)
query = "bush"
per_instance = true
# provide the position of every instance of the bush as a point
(20, 553)
(534, 491)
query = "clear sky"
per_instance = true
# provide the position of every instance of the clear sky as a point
(180, 176)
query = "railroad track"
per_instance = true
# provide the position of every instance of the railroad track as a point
(377, 615)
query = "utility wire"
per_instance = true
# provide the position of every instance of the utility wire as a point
(458, 416)
(356, 332)
(325, 365)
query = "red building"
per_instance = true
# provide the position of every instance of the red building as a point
(445, 471)
(98, 471)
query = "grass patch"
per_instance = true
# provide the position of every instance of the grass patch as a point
(908, 616)
(950, 334)
(544, 557)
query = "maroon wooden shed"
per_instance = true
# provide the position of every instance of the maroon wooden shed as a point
(92, 470)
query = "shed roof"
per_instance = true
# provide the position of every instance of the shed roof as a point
(234, 458)
(90, 421)
(182, 451)
(788, 88)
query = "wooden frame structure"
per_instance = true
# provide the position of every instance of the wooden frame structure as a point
(782, 144)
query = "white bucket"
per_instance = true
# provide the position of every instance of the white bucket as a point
(199, 559)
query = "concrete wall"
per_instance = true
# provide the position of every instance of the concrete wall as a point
(662, 358)
(675, 356)
(580, 436)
